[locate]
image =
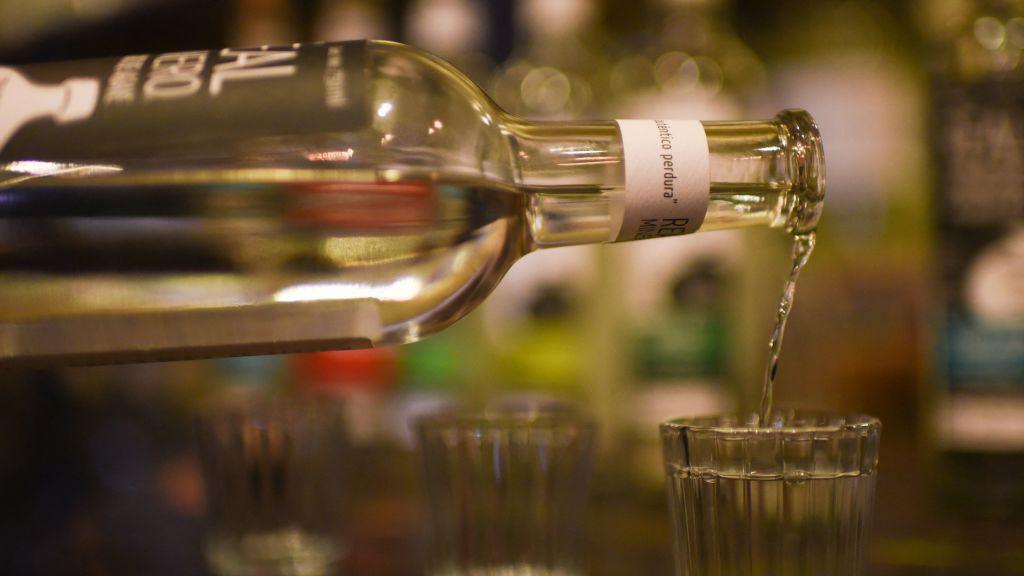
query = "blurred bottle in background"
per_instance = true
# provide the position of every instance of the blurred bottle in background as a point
(857, 340)
(263, 22)
(455, 30)
(337, 20)
(380, 468)
(361, 379)
(540, 350)
(432, 374)
(691, 64)
(976, 50)
(681, 355)
(555, 70)
(865, 288)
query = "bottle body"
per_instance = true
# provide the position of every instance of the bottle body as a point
(310, 197)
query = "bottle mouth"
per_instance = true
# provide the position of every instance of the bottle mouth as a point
(807, 166)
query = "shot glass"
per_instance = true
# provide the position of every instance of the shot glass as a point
(273, 472)
(506, 490)
(793, 498)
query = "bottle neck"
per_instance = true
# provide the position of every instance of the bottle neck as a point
(585, 182)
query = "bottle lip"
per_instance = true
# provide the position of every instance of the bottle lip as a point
(806, 160)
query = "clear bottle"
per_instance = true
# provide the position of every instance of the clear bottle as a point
(330, 196)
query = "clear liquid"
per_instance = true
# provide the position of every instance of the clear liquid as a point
(741, 525)
(803, 245)
(340, 240)
(194, 263)
(160, 265)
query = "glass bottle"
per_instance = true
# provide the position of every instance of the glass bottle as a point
(976, 52)
(329, 196)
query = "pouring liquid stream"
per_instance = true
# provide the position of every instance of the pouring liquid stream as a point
(803, 245)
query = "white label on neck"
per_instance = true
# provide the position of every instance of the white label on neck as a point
(668, 178)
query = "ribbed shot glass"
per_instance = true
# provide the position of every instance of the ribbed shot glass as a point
(275, 472)
(506, 490)
(793, 498)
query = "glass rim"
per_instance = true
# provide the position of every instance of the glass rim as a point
(260, 409)
(846, 423)
(456, 419)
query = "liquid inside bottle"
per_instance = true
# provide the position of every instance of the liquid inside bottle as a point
(378, 206)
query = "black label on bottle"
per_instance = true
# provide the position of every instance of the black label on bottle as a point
(142, 105)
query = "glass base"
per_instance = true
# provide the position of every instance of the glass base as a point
(288, 552)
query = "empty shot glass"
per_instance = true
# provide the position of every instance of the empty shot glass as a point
(506, 490)
(273, 471)
(793, 498)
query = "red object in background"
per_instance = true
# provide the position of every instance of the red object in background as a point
(365, 205)
(337, 372)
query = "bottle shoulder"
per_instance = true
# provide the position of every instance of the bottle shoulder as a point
(431, 67)
(433, 112)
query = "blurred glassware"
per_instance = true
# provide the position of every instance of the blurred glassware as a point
(506, 488)
(791, 499)
(274, 471)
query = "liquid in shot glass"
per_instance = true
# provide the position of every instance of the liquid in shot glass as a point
(791, 498)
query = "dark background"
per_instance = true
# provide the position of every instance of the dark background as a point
(97, 474)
